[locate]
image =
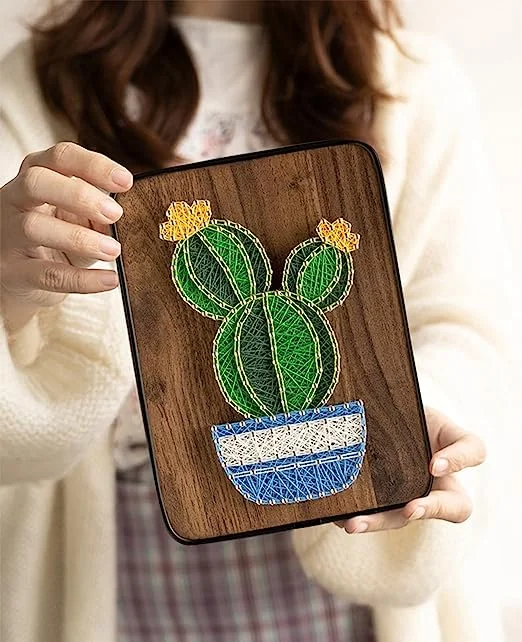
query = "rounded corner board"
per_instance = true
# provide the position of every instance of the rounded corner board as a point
(270, 341)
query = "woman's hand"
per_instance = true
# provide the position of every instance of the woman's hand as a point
(454, 449)
(54, 222)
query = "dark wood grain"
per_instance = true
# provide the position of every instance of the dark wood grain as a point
(280, 198)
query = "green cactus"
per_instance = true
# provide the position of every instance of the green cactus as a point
(275, 350)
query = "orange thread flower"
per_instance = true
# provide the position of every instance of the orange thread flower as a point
(185, 220)
(338, 234)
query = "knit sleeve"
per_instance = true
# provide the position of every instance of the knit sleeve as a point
(52, 410)
(64, 375)
(454, 261)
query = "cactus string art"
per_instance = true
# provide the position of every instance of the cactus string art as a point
(275, 355)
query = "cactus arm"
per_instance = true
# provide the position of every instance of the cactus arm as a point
(316, 280)
(321, 269)
(318, 283)
(191, 290)
(308, 273)
(222, 263)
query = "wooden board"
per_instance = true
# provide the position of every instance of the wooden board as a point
(280, 196)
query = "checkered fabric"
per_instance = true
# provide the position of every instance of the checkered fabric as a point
(248, 590)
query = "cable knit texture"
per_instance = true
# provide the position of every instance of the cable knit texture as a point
(65, 375)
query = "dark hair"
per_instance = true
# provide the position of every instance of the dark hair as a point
(320, 81)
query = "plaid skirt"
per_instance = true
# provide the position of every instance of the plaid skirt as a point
(248, 590)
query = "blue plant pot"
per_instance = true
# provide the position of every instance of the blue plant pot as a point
(296, 456)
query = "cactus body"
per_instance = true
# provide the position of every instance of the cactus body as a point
(275, 353)
(220, 266)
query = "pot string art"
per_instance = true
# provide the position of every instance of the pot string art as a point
(275, 355)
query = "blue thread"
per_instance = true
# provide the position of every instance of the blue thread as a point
(300, 477)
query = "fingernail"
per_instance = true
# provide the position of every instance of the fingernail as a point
(109, 279)
(361, 527)
(418, 513)
(121, 177)
(440, 466)
(111, 209)
(109, 246)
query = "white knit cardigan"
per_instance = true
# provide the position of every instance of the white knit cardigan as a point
(65, 375)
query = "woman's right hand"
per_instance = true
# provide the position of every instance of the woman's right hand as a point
(54, 223)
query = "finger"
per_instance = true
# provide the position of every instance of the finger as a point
(384, 521)
(464, 451)
(73, 259)
(78, 261)
(52, 276)
(34, 229)
(64, 215)
(39, 185)
(451, 504)
(70, 159)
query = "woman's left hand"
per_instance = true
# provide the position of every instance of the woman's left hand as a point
(454, 449)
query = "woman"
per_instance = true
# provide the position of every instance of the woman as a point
(147, 84)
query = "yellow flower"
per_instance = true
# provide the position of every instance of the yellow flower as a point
(338, 234)
(185, 220)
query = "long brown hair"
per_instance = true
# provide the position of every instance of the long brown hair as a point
(320, 81)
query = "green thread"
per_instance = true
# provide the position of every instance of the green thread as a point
(225, 367)
(223, 265)
(210, 271)
(316, 279)
(246, 316)
(329, 353)
(318, 357)
(341, 291)
(240, 262)
(273, 349)
(291, 267)
(275, 330)
(259, 262)
(225, 301)
(305, 273)
(191, 291)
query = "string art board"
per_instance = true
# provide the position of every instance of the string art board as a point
(271, 348)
